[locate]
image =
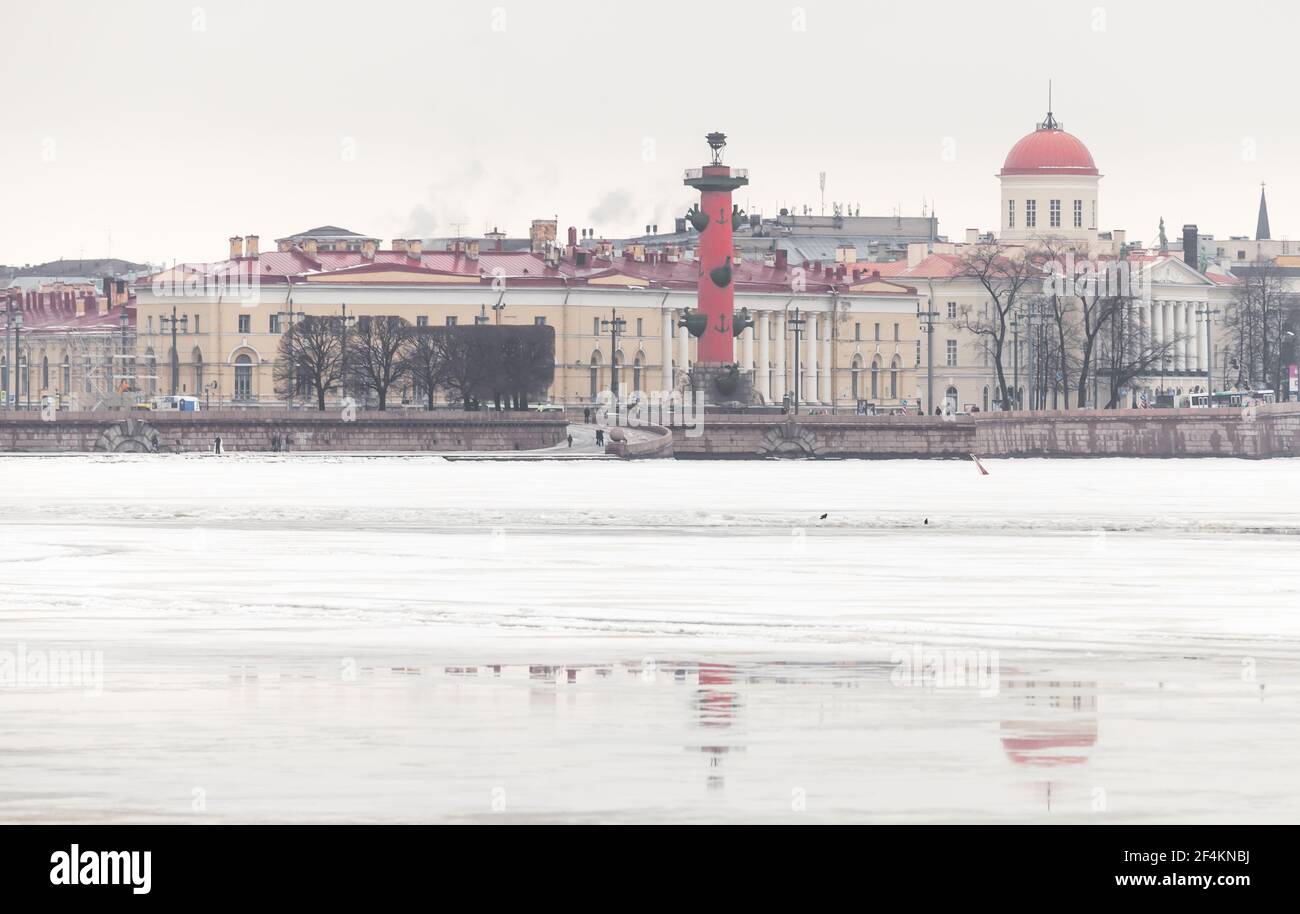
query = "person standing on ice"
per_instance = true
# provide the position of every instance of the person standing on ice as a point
(570, 440)
(600, 437)
(216, 445)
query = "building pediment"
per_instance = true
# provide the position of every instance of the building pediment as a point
(615, 278)
(389, 273)
(881, 287)
(1175, 272)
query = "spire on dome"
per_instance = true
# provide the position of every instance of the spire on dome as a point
(1049, 122)
(1261, 227)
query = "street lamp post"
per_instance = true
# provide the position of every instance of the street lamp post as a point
(289, 317)
(1208, 313)
(615, 326)
(343, 349)
(174, 321)
(927, 325)
(796, 325)
(1015, 359)
(18, 378)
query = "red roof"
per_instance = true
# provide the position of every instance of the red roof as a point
(1049, 151)
(528, 269)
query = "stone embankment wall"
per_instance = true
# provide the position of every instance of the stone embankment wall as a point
(298, 430)
(1268, 431)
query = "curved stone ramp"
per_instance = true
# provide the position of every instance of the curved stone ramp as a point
(645, 442)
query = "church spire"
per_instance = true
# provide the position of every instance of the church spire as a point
(1261, 227)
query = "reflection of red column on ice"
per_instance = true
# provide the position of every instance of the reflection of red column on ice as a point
(716, 707)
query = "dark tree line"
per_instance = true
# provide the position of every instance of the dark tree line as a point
(471, 365)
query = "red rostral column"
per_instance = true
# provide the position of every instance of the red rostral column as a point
(713, 220)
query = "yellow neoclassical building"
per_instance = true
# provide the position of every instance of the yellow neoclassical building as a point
(855, 338)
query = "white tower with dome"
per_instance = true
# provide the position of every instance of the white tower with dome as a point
(1049, 187)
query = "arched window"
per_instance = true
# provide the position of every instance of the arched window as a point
(856, 375)
(875, 378)
(67, 375)
(45, 372)
(951, 396)
(151, 369)
(985, 405)
(636, 370)
(893, 378)
(243, 378)
(595, 375)
(197, 358)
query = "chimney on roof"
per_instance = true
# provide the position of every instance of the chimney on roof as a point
(236, 247)
(368, 249)
(414, 247)
(471, 249)
(857, 274)
(1191, 247)
(573, 236)
(251, 246)
(399, 245)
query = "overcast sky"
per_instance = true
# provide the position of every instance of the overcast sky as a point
(170, 126)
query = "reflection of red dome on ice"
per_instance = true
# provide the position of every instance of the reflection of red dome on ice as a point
(1056, 722)
(1048, 743)
(1049, 150)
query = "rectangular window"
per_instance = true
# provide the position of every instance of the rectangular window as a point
(896, 336)
(422, 320)
(1054, 213)
(595, 326)
(857, 331)
(274, 323)
(952, 353)
(1094, 215)
(149, 325)
(1078, 214)
(1011, 214)
(451, 321)
(877, 333)
(952, 310)
(539, 322)
(918, 353)
(1031, 213)
(196, 323)
(245, 323)
(482, 319)
(638, 327)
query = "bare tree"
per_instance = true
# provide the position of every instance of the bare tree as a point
(1008, 278)
(1254, 321)
(425, 358)
(376, 354)
(310, 357)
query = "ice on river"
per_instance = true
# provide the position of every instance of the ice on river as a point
(409, 638)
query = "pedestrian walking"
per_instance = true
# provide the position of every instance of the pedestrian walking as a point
(570, 440)
(600, 437)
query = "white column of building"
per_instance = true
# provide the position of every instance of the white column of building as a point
(683, 350)
(1144, 325)
(1162, 329)
(1181, 324)
(763, 370)
(826, 376)
(747, 349)
(778, 372)
(1189, 311)
(1198, 338)
(666, 346)
(1175, 335)
(808, 388)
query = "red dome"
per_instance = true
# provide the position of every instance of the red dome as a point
(1049, 151)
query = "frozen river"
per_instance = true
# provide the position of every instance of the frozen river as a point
(407, 638)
